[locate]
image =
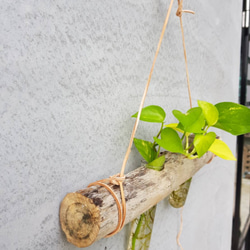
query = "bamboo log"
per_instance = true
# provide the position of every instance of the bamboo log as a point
(90, 214)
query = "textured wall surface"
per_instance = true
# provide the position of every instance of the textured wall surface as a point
(72, 73)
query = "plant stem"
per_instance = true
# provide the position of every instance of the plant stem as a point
(137, 231)
(193, 152)
(191, 157)
(187, 144)
(158, 151)
(190, 146)
(160, 130)
(154, 144)
(183, 136)
(206, 129)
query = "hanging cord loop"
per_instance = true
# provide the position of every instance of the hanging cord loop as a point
(119, 178)
(115, 180)
(179, 14)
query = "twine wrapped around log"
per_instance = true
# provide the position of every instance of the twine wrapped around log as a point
(90, 214)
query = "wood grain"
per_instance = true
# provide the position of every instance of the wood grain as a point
(90, 214)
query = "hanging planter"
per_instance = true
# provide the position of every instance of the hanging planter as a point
(90, 214)
(96, 212)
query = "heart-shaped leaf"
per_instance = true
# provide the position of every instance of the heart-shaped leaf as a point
(193, 121)
(221, 149)
(157, 164)
(175, 127)
(170, 141)
(146, 149)
(210, 112)
(152, 113)
(202, 143)
(233, 118)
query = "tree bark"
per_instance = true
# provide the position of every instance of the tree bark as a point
(90, 214)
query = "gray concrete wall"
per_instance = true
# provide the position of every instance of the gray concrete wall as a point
(72, 73)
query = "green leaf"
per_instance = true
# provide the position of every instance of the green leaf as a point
(152, 113)
(170, 141)
(175, 127)
(210, 112)
(202, 143)
(146, 149)
(157, 164)
(193, 121)
(221, 149)
(233, 118)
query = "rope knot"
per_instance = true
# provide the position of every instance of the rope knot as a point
(179, 10)
(116, 179)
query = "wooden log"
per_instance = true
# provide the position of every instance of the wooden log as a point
(90, 214)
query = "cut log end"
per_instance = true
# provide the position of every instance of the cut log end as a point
(80, 219)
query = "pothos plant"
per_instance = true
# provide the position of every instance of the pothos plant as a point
(175, 137)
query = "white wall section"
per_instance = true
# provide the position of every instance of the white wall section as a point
(72, 74)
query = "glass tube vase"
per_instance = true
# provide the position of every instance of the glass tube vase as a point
(178, 197)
